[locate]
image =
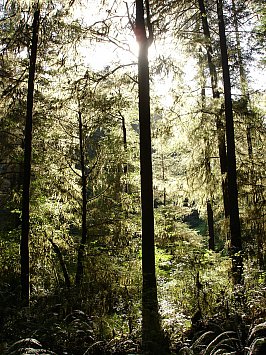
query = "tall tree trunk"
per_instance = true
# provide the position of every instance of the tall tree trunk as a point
(125, 165)
(81, 250)
(216, 95)
(243, 79)
(236, 244)
(163, 178)
(242, 72)
(151, 328)
(25, 228)
(209, 190)
(210, 226)
(252, 174)
(210, 200)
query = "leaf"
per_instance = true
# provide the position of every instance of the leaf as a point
(25, 343)
(217, 340)
(258, 330)
(200, 340)
(185, 351)
(95, 346)
(258, 346)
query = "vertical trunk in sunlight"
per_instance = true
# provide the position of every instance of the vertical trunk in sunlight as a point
(253, 200)
(216, 95)
(207, 160)
(81, 249)
(236, 244)
(151, 330)
(25, 228)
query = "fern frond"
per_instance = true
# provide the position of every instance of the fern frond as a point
(199, 342)
(24, 343)
(28, 346)
(222, 352)
(186, 351)
(258, 346)
(229, 344)
(258, 330)
(213, 344)
(31, 351)
(95, 346)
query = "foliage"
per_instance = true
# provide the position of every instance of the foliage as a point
(27, 346)
(220, 341)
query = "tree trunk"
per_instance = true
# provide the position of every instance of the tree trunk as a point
(210, 200)
(62, 262)
(151, 328)
(209, 189)
(257, 231)
(242, 72)
(25, 228)
(81, 250)
(216, 95)
(163, 177)
(243, 79)
(236, 244)
(210, 226)
(125, 165)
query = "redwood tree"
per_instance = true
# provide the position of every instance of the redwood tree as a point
(25, 228)
(81, 250)
(236, 244)
(151, 330)
(216, 95)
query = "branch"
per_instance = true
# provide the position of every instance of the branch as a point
(115, 69)
(61, 261)
(133, 79)
(11, 87)
(149, 24)
(74, 171)
(129, 18)
(100, 194)
(93, 166)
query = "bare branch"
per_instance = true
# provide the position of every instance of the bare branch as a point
(129, 18)
(149, 24)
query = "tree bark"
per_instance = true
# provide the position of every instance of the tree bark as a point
(236, 244)
(62, 262)
(243, 79)
(242, 72)
(210, 226)
(151, 328)
(257, 231)
(124, 140)
(216, 95)
(163, 177)
(210, 200)
(25, 227)
(209, 189)
(81, 250)
(125, 165)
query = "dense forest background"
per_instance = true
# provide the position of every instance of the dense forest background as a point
(97, 258)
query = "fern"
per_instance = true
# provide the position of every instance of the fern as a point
(199, 343)
(222, 352)
(186, 351)
(97, 346)
(258, 346)
(258, 330)
(25, 343)
(230, 344)
(215, 343)
(27, 346)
